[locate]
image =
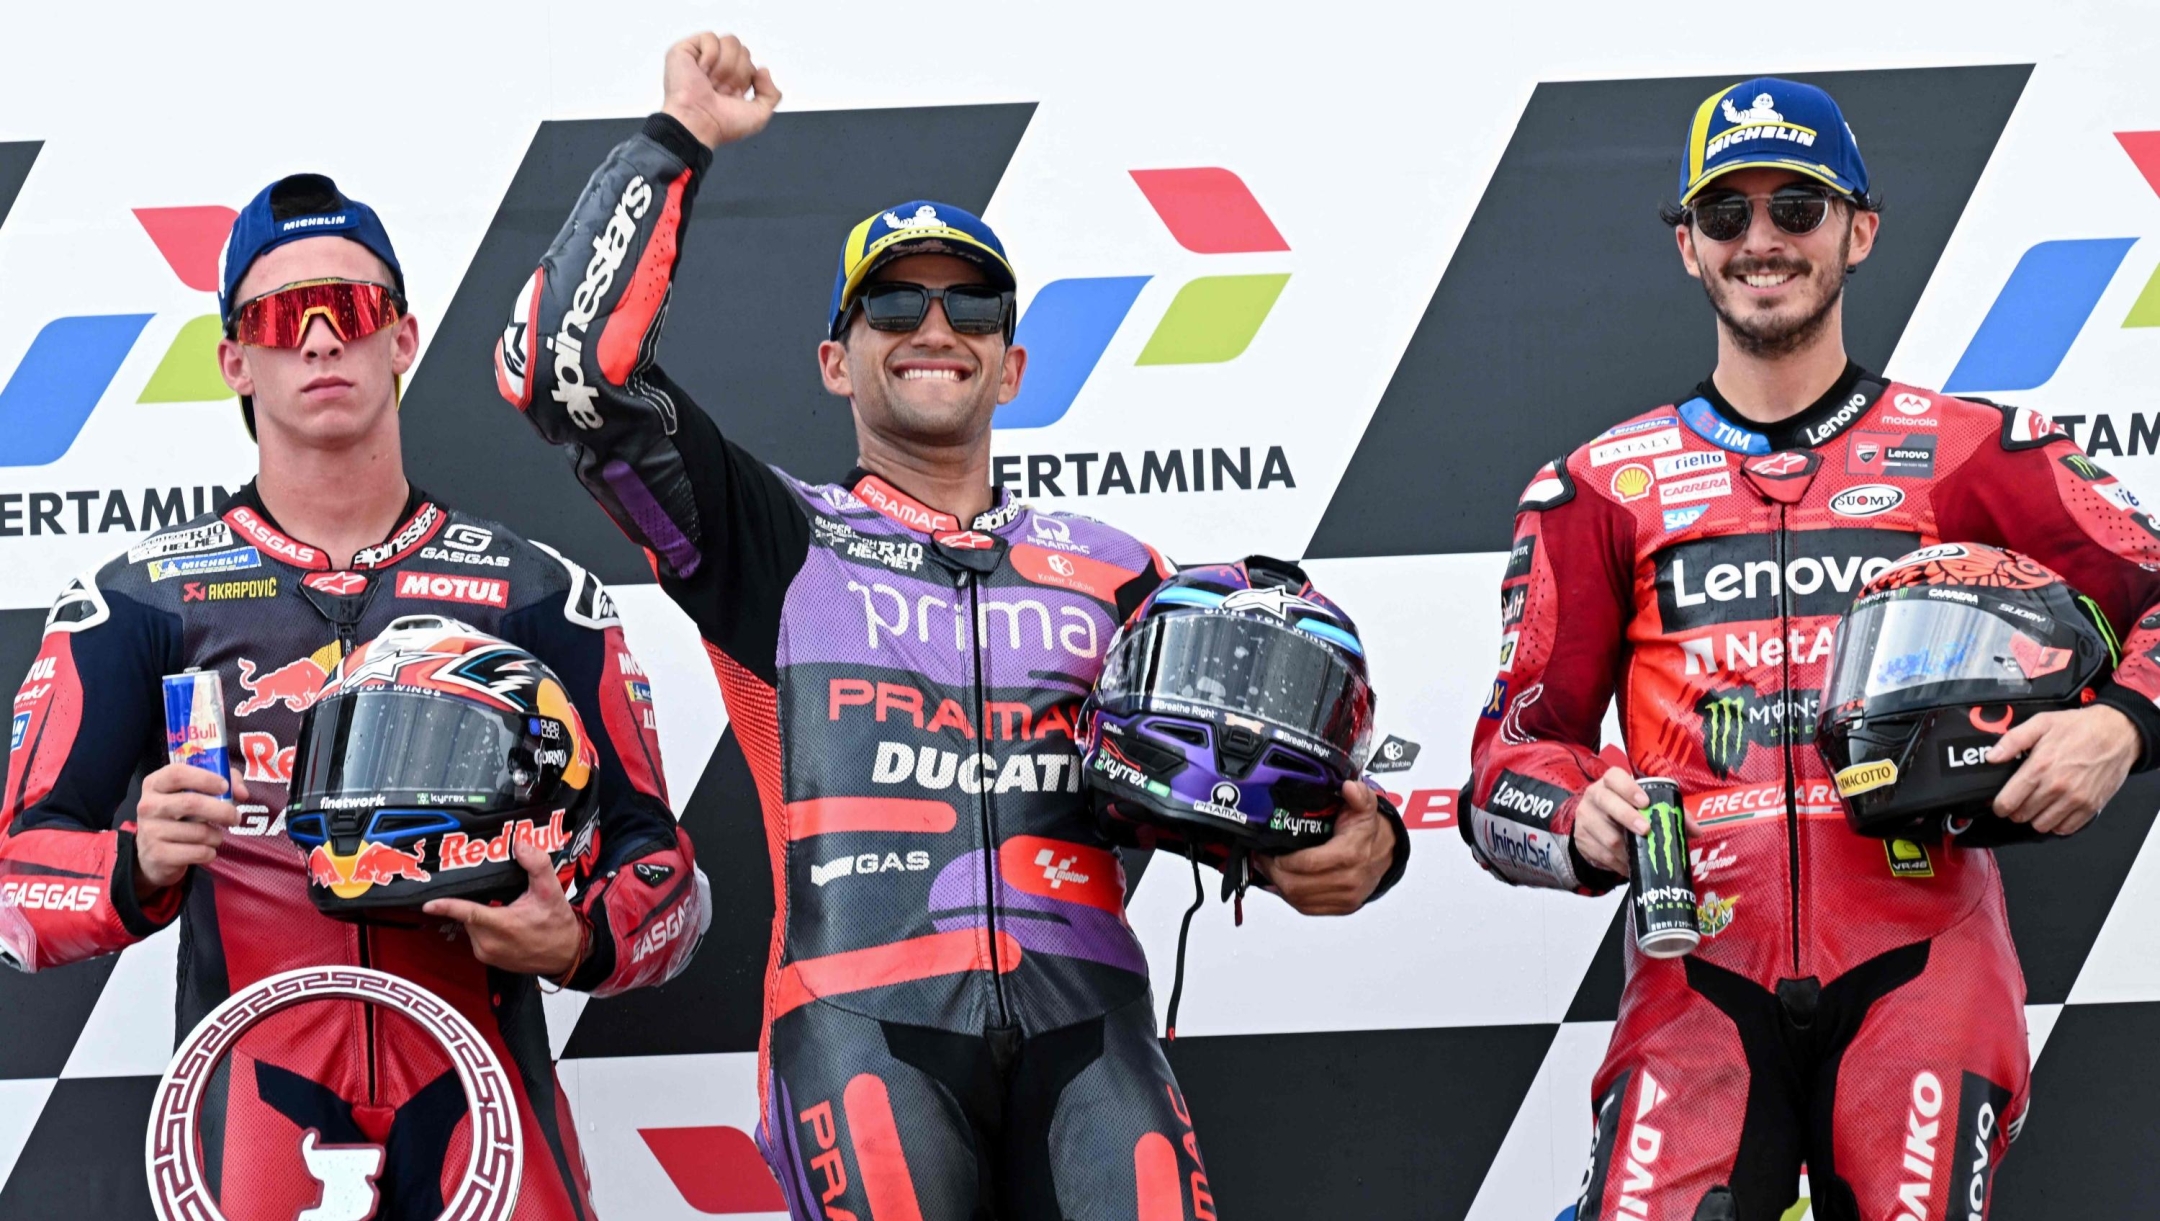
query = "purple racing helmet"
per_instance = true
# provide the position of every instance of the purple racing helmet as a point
(1231, 708)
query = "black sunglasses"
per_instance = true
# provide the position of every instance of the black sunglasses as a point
(1796, 208)
(970, 309)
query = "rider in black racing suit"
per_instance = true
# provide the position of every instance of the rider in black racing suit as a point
(903, 684)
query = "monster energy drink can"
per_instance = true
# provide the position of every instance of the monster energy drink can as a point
(1663, 893)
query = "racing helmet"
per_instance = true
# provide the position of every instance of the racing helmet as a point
(1938, 657)
(431, 752)
(1231, 708)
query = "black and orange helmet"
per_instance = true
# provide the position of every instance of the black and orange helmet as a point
(433, 750)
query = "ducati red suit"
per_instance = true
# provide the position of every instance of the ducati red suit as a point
(232, 594)
(1854, 1003)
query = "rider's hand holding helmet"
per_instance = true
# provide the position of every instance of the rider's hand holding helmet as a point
(1937, 659)
(433, 751)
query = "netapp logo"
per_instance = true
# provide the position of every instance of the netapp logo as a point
(1533, 800)
(1736, 578)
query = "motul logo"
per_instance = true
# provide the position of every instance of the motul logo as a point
(481, 591)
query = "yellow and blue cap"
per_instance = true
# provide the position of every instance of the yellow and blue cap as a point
(1770, 123)
(919, 226)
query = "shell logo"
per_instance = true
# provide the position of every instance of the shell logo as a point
(1631, 482)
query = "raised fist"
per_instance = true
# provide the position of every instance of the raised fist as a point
(714, 90)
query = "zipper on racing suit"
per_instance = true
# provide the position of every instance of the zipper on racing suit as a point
(1785, 700)
(346, 636)
(986, 815)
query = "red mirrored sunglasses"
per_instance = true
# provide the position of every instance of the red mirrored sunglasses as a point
(279, 318)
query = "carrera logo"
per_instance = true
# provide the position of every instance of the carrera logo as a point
(1866, 500)
(1737, 579)
(480, 591)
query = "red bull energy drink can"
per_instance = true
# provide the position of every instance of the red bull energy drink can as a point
(1663, 888)
(195, 722)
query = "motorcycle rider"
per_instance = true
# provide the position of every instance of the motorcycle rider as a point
(1845, 996)
(902, 654)
(319, 552)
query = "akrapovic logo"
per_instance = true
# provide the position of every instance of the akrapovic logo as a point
(609, 246)
(1737, 578)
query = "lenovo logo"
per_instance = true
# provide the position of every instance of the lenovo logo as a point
(1738, 579)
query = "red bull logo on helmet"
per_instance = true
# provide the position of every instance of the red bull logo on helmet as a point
(460, 851)
(376, 864)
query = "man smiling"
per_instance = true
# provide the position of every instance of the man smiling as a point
(957, 1015)
(1855, 1003)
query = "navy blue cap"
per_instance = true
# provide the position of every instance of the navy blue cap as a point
(294, 207)
(1770, 123)
(919, 226)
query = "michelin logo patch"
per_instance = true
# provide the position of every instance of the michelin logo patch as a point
(196, 565)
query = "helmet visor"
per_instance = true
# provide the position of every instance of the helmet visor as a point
(1914, 651)
(1242, 666)
(428, 749)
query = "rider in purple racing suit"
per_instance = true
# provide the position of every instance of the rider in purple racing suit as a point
(957, 1016)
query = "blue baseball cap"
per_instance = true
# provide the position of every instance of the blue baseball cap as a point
(1770, 123)
(294, 207)
(919, 226)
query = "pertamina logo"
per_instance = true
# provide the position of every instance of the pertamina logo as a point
(70, 365)
(1212, 320)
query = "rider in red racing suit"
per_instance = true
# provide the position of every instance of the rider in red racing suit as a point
(1702, 561)
(91, 713)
